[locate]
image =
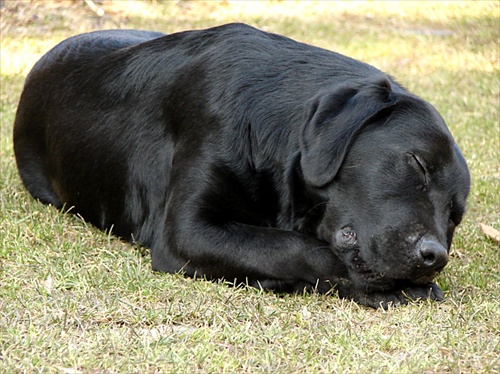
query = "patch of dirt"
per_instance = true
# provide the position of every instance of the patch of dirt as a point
(24, 18)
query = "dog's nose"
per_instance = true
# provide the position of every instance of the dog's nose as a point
(433, 255)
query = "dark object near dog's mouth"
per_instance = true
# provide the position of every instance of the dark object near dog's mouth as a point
(427, 277)
(424, 279)
(376, 282)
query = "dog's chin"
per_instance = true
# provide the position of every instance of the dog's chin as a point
(424, 279)
(373, 281)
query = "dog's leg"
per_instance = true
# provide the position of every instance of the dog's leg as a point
(277, 258)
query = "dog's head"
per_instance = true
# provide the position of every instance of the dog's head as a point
(393, 179)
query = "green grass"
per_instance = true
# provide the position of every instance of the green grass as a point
(74, 299)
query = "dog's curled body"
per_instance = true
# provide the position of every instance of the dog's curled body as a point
(239, 154)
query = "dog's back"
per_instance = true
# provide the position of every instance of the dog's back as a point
(35, 105)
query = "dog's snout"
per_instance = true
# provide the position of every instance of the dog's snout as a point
(433, 255)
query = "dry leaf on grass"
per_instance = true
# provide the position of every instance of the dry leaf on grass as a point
(490, 232)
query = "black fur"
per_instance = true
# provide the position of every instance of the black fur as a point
(239, 154)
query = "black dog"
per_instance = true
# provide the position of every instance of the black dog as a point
(239, 154)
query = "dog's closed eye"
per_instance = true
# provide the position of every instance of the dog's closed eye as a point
(419, 164)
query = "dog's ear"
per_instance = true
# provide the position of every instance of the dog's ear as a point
(334, 118)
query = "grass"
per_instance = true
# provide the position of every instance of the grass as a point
(74, 299)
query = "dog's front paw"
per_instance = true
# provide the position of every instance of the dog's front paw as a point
(423, 292)
(429, 291)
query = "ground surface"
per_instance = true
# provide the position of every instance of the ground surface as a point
(73, 299)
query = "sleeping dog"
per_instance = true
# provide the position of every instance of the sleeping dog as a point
(239, 154)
